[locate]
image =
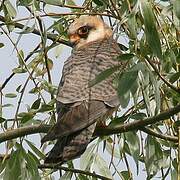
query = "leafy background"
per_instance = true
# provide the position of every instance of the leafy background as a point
(141, 139)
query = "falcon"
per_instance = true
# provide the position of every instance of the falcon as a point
(80, 106)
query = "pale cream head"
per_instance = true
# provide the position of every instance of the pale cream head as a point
(87, 29)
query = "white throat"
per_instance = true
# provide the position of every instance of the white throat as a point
(96, 34)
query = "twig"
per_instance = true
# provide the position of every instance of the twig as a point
(127, 166)
(114, 9)
(52, 37)
(20, 99)
(162, 78)
(161, 136)
(12, 74)
(20, 56)
(64, 14)
(178, 154)
(49, 166)
(65, 5)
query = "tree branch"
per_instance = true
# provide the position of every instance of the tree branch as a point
(162, 78)
(56, 166)
(158, 135)
(23, 131)
(65, 14)
(137, 124)
(64, 5)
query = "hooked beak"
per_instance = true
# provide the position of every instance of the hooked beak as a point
(74, 39)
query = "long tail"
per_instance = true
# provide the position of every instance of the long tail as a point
(70, 147)
(75, 129)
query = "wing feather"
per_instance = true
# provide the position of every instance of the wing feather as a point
(78, 118)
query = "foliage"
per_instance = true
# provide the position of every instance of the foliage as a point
(149, 35)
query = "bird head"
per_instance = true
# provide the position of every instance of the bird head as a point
(87, 29)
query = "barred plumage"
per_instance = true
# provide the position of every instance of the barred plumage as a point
(80, 70)
(79, 107)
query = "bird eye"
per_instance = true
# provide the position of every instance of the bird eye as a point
(83, 30)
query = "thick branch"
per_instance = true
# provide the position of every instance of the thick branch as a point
(56, 166)
(137, 124)
(23, 131)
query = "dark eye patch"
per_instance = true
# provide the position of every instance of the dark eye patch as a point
(84, 31)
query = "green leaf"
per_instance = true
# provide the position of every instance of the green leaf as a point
(174, 163)
(125, 175)
(174, 77)
(150, 28)
(153, 156)
(49, 87)
(21, 57)
(124, 99)
(174, 174)
(111, 150)
(138, 116)
(176, 7)
(117, 121)
(132, 26)
(58, 50)
(36, 104)
(176, 125)
(101, 167)
(169, 59)
(86, 158)
(103, 75)
(36, 150)
(34, 90)
(7, 105)
(66, 176)
(59, 28)
(83, 177)
(133, 142)
(27, 30)
(10, 95)
(126, 81)
(53, 2)
(32, 165)
(98, 2)
(18, 88)
(24, 2)
(26, 116)
(10, 9)
(70, 2)
(13, 167)
(1, 45)
(19, 70)
(46, 108)
(2, 119)
(125, 57)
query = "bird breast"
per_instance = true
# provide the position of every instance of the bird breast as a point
(83, 66)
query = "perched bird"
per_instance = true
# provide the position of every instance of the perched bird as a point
(80, 106)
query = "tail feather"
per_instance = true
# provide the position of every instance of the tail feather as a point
(75, 129)
(71, 147)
